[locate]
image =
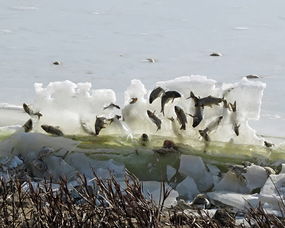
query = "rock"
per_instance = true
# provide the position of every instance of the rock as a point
(187, 188)
(193, 166)
(201, 202)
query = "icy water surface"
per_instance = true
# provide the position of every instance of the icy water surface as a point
(106, 43)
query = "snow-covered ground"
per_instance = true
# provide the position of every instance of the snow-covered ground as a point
(106, 43)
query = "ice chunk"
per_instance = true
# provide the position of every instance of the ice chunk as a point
(152, 190)
(170, 172)
(251, 178)
(82, 163)
(57, 167)
(67, 104)
(30, 144)
(255, 177)
(62, 103)
(199, 85)
(187, 188)
(103, 169)
(216, 173)
(135, 90)
(14, 162)
(282, 168)
(239, 201)
(214, 170)
(232, 183)
(273, 191)
(10, 162)
(193, 166)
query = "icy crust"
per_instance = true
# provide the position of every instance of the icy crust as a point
(67, 105)
(39, 156)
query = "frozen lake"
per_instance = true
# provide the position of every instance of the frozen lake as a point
(106, 43)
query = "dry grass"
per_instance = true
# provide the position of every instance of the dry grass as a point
(105, 204)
